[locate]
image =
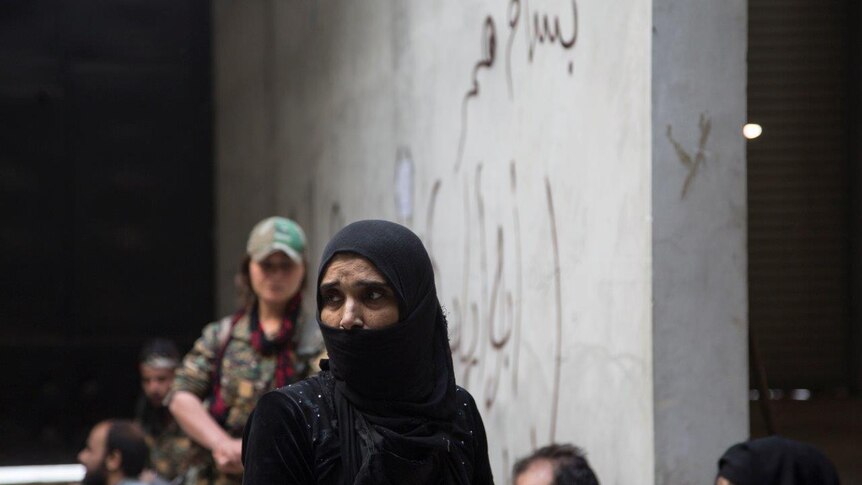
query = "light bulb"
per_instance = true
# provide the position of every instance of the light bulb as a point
(752, 130)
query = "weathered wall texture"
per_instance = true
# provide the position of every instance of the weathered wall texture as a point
(515, 137)
(699, 235)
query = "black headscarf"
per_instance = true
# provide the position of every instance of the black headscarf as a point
(776, 461)
(397, 382)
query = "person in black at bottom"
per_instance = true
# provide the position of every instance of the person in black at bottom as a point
(775, 461)
(385, 409)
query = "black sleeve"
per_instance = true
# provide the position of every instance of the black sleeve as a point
(482, 465)
(276, 448)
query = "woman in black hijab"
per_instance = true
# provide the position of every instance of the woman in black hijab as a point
(385, 409)
(775, 461)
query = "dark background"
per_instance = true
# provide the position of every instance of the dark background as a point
(805, 222)
(106, 207)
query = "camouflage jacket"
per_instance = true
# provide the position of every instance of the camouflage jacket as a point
(169, 451)
(169, 445)
(246, 375)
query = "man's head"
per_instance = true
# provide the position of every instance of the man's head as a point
(115, 449)
(158, 362)
(555, 465)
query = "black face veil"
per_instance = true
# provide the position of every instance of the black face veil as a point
(396, 382)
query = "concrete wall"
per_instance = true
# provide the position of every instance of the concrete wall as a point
(245, 133)
(699, 235)
(522, 157)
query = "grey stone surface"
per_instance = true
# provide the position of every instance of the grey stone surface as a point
(700, 313)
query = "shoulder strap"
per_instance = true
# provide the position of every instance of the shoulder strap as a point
(217, 407)
(225, 326)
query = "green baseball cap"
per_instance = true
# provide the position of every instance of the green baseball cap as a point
(276, 234)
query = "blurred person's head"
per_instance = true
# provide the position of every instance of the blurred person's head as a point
(157, 364)
(273, 269)
(775, 461)
(115, 450)
(555, 464)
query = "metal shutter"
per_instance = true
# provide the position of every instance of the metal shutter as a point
(798, 192)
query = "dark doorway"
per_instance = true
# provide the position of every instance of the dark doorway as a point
(106, 202)
(805, 223)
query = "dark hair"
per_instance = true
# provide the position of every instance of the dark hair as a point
(128, 438)
(568, 461)
(776, 459)
(243, 284)
(159, 347)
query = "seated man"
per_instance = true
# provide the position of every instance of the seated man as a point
(115, 454)
(169, 446)
(555, 465)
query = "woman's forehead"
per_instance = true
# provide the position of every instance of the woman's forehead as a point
(350, 264)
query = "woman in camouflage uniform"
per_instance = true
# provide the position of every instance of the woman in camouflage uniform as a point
(244, 355)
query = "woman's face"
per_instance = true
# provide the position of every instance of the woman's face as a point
(276, 278)
(356, 295)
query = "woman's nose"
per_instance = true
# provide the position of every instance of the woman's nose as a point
(352, 316)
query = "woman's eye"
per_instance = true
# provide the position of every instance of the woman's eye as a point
(332, 298)
(375, 295)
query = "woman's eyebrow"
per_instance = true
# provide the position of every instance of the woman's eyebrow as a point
(366, 283)
(357, 284)
(328, 286)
